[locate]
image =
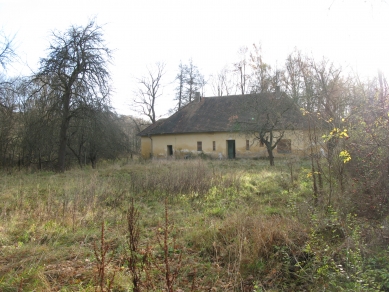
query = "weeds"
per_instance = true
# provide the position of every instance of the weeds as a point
(238, 226)
(138, 260)
(169, 253)
(103, 279)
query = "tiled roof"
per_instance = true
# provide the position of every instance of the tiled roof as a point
(227, 113)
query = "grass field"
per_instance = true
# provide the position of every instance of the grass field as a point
(198, 225)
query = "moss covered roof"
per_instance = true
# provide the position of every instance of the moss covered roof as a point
(228, 113)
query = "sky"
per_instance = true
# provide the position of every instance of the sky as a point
(351, 33)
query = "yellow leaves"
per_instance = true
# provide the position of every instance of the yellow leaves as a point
(309, 174)
(334, 131)
(304, 111)
(343, 134)
(338, 133)
(345, 155)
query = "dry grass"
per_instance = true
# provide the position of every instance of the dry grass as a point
(232, 224)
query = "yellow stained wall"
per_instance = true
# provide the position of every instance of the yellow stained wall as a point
(145, 147)
(186, 144)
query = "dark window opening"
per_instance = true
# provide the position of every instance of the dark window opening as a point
(247, 144)
(284, 146)
(169, 150)
(214, 145)
(199, 146)
(231, 149)
(261, 144)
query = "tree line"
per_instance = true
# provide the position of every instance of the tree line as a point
(302, 78)
(61, 114)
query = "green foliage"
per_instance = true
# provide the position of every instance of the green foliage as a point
(346, 269)
(239, 225)
(377, 270)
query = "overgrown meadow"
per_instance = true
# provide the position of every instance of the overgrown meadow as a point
(179, 225)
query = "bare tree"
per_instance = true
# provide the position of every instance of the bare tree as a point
(368, 144)
(7, 52)
(149, 90)
(97, 135)
(202, 82)
(222, 83)
(294, 79)
(193, 81)
(39, 124)
(189, 80)
(322, 91)
(7, 86)
(261, 80)
(132, 126)
(267, 116)
(76, 72)
(180, 78)
(240, 69)
(9, 120)
(332, 87)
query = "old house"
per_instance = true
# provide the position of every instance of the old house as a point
(228, 127)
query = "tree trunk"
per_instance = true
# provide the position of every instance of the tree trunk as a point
(93, 160)
(271, 156)
(39, 159)
(63, 133)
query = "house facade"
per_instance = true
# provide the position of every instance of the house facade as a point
(220, 145)
(223, 127)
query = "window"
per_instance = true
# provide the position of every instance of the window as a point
(199, 146)
(284, 146)
(169, 150)
(214, 145)
(247, 144)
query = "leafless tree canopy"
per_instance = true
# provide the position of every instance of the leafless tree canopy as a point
(189, 81)
(267, 117)
(222, 83)
(149, 90)
(240, 69)
(7, 52)
(75, 71)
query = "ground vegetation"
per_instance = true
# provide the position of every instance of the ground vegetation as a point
(197, 225)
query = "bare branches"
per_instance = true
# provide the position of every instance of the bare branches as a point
(7, 52)
(193, 81)
(222, 83)
(317, 86)
(150, 88)
(260, 80)
(252, 74)
(267, 116)
(190, 81)
(240, 69)
(76, 69)
(78, 56)
(180, 78)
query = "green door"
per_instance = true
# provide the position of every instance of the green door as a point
(231, 149)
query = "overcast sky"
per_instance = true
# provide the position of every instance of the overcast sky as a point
(352, 33)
